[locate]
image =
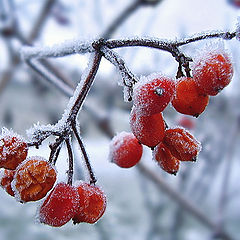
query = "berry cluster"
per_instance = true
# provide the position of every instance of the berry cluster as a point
(188, 95)
(31, 178)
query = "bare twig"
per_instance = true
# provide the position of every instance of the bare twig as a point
(37, 27)
(50, 77)
(121, 18)
(70, 161)
(186, 204)
(93, 179)
(227, 173)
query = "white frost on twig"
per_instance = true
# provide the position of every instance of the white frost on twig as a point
(58, 50)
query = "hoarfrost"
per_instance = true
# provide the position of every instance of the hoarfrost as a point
(116, 143)
(58, 50)
(127, 79)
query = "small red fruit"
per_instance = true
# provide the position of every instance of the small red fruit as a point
(33, 179)
(187, 99)
(125, 150)
(213, 72)
(235, 3)
(13, 150)
(182, 144)
(165, 159)
(149, 130)
(60, 206)
(6, 181)
(92, 202)
(152, 94)
(186, 122)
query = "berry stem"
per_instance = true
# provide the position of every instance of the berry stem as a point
(93, 179)
(70, 161)
(55, 149)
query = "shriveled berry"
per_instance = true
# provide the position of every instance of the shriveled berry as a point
(92, 203)
(182, 144)
(13, 150)
(33, 179)
(6, 180)
(60, 206)
(213, 72)
(125, 150)
(152, 94)
(149, 130)
(165, 159)
(187, 99)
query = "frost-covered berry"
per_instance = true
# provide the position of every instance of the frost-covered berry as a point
(213, 72)
(125, 150)
(187, 99)
(152, 94)
(6, 180)
(33, 179)
(13, 150)
(92, 203)
(149, 130)
(165, 159)
(182, 144)
(60, 206)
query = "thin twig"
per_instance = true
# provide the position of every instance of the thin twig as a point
(87, 83)
(223, 35)
(121, 18)
(227, 173)
(186, 204)
(70, 161)
(92, 177)
(54, 150)
(50, 77)
(37, 27)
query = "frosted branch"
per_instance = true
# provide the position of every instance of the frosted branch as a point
(128, 78)
(57, 50)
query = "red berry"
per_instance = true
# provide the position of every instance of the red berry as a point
(13, 150)
(60, 206)
(235, 3)
(92, 202)
(125, 150)
(187, 99)
(152, 94)
(182, 144)
(33, 179)
(149, 130)
(186, 122)
(6, 181)
(165, 159)
(213, 72)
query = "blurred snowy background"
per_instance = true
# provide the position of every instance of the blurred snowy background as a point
(138, 208)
